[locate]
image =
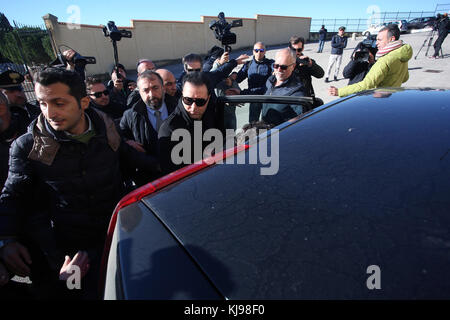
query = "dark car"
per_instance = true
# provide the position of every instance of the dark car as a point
(358, 208)
(420, 23)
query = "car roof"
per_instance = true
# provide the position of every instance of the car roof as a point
(363, 181)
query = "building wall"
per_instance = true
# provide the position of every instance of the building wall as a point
(169, 40)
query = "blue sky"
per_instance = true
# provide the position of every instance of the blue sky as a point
(99, 12)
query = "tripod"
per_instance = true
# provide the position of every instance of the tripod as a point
(429, 38)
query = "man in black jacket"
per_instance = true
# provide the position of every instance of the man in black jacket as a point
(306, 67)
(194, 114)
(443, 26)
(141, 123)
(65, 178)
(100, 100)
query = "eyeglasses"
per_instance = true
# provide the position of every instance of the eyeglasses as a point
(298, 49)
(198, 101)
(282, 66)
(259, 50)
(193, 70)
(99, 94)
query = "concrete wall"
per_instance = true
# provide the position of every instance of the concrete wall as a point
(169, 40)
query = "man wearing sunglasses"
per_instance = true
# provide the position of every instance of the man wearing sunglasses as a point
(99, 99)
(306, 67)
(193, 63)
(11, 87)
(257, 71)
(194, 108)
(284, 82)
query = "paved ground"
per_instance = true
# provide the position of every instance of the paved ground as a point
(423, 72)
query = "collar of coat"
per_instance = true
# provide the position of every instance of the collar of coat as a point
(48, 141)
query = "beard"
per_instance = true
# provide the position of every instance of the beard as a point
(154, 103)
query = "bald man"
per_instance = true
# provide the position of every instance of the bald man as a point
(170, 83)
(284, 82)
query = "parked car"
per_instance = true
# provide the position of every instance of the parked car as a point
(420, 23)
(362, 189)
(402, 25)
(373, 29)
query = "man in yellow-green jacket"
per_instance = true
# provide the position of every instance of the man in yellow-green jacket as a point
(391, 68)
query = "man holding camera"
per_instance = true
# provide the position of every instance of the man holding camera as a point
(442, 25)
(362, 59)
(306, 67)
(391, 67)
(257, 71)
(119, 86)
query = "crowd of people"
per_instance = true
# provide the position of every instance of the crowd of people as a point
(67, 162)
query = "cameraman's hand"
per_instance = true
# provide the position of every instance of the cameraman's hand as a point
(232, 92)
(304, 58)
(224, 58)
(68, 55)
(118, 83)
(241, 59)
(16, 258)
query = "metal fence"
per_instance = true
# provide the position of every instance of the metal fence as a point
(359, 25)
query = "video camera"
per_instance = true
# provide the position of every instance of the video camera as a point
(111, 30)
(362, 49)
(78, 60)
(222, 31)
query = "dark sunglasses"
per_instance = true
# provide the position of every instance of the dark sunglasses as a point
(298, 49)
(99, 94)
(198, 101)
(193, 70)
(281, 66)
(259, 50)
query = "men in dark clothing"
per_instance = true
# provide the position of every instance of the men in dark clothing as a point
(284, 82)
(194, 114)
(11, 86)
(193, 62)
(322, 38)
(305, 70)
(257, 70)
(170, 83)
(141, 123)
(357, 68)
(443, 26)
(65, 178)
(338, 44)
(99, 96)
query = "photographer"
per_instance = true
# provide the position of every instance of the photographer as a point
(362, 59)
(442, 25)
(119, 86)
(305, 68)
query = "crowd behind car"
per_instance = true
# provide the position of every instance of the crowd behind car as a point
(67, 162)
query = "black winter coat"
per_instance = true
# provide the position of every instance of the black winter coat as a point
(180, 119)
(74, 185)
(356, 71)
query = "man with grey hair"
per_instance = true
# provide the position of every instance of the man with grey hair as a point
(284, 82)
(140, 124)
(141, 66)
